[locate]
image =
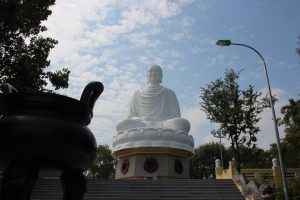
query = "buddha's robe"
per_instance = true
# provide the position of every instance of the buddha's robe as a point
(154, 107)
(154, 104)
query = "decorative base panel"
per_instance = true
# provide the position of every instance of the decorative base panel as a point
(152, 166)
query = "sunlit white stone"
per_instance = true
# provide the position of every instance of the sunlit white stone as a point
(154, 118)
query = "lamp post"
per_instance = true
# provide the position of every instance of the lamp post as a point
(228, 43)
(218, 134)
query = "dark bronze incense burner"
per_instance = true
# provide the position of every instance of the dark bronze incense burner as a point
(42, 130)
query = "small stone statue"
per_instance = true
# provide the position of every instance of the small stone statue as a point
(154, 106)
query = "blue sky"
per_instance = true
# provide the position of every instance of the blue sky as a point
(114, 41)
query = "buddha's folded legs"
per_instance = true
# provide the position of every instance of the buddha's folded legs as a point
(128, 124)
(177, 124)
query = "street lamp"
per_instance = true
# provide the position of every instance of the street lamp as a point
(218, 134)
(228, 43)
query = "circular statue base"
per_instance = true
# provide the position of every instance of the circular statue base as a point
(145, 163)
(149, 153)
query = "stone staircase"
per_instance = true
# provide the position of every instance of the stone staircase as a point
(209, 189)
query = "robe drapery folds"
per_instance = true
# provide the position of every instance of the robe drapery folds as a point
(154, 103)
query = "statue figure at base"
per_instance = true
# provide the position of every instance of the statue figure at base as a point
(154, 106)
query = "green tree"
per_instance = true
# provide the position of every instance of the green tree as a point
(253, 157)
(235, 110)
(290, 155)
(23, 51)
(104, 165)
(294, 190)
(202, 165)
(291, 121)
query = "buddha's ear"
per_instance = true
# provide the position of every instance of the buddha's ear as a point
(161, 72)
(161, 77)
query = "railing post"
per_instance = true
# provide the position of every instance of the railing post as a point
(231, 169)
(218, 169)
(224, 173)
(276, 173)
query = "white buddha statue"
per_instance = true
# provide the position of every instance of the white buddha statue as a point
(154, 106)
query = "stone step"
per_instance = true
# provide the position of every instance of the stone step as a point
(210, 189)
(144, 190)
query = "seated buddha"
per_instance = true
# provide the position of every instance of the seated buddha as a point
(154, 106)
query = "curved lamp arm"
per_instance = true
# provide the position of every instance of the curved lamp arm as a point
(282, 168)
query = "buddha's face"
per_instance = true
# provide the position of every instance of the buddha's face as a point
(154, 74)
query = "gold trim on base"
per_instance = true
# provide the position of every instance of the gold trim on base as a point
(142, 178)
(153, 150)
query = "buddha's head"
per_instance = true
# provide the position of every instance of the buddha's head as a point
(154, 74)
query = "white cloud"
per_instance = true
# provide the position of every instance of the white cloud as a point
(201, 127)
(94, 39)
(195, 50)
(141, 40)
(170, 67)
(198, 121)
(210, 138)
(133, 17)
(234, 28)
(90, 25)
(195, 116)
(177, 36)
(114, 41)
(266, 124)
(164, 8)
(207, 41)
(186, 22)
(172, 53)
(252, 35)
(111, 70)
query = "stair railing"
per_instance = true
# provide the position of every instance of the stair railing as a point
(248, 189)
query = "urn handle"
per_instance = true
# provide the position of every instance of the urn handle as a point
(7, 88)
(91, 93)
